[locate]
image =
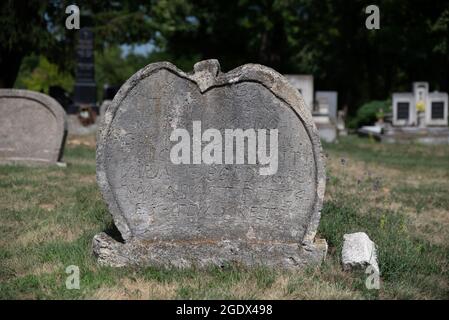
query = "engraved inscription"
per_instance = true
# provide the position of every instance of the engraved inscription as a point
(161, 200)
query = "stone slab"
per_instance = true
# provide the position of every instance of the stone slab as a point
(358, 252)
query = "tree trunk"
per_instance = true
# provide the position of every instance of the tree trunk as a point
(10, 65)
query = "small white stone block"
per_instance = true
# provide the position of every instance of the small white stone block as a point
(358, 252)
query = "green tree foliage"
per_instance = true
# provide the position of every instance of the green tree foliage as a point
(369, 112)
(38, 27)
(43, 75)
(23, 32)
(326, 38)
(113, 68)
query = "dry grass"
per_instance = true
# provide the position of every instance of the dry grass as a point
(87, 141)
(51, 231)
(430, 224)
(136, 289)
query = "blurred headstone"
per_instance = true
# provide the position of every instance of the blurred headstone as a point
(304, 84)
(419, 116)
(327, 101)
(32, 127)
(85, 91)
(325, 114)
(420, 108)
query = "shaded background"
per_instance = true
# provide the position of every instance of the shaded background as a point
(326, 38)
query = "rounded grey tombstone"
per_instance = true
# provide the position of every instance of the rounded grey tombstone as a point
(32, 127)
(198, 213)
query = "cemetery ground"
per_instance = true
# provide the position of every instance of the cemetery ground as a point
(397, 194)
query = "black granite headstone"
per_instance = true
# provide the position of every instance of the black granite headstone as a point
(85, 87)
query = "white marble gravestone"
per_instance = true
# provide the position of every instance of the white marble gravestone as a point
(304, 84)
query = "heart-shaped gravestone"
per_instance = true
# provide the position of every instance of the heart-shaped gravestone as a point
(210, 168)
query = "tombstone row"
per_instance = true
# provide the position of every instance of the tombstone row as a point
(196, 168)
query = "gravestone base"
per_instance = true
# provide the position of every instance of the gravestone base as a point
(429, 135)
(203, 253)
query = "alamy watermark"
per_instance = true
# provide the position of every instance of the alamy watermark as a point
(212, 152)
(73, 20)
(373, 279)
(372, 22)
(73, 280)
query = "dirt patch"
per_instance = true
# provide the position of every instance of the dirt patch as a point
(46, 268)
(88, 179)
(137, 289)
(47, 206)
(432, 225)
(292, 285)
(86, 140)
(49, 232)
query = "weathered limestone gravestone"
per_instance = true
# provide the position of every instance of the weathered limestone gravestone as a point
(32, 127)
(204, 204)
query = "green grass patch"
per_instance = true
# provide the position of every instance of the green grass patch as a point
(50, 214)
